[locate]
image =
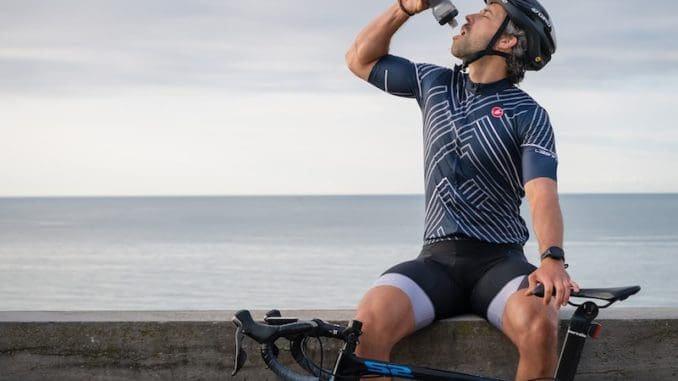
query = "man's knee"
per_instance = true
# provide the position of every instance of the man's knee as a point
(531, 326)
(542, 329)
(387, 317)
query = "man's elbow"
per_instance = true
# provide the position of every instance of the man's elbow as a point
(350, 59)
(354, 64)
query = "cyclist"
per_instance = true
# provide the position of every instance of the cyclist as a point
(487, 144)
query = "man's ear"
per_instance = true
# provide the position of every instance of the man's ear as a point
(506, 43)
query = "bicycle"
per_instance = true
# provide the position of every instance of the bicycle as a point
(349, 366)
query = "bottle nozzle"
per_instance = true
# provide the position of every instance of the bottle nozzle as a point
(445, 12)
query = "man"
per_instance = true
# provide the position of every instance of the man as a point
(486, 145)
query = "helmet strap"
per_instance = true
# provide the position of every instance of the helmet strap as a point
(489, 50)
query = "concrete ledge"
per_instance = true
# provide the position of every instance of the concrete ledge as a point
(636, 344)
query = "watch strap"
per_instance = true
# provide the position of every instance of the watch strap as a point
(554, 252)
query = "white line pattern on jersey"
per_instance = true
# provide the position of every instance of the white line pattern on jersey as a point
(473, 169)
(482, 206)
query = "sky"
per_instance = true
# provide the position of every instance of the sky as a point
(207, 97)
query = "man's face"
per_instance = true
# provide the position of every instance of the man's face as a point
(478, 31)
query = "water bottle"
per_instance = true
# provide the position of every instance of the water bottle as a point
(444, 11)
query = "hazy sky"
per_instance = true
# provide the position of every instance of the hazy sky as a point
(169, 97)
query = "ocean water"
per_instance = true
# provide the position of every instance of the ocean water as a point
(203, 253)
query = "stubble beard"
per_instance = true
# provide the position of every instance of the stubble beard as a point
(466, 46)
(461, 48)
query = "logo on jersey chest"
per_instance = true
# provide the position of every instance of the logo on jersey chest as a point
(497, 112)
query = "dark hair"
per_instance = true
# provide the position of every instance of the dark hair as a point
(516, 61)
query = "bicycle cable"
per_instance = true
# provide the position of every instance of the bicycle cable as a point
(322, 352)
(321, 370)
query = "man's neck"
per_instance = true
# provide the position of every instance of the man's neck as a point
(487, 69)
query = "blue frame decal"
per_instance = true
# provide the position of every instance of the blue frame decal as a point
(389, 369)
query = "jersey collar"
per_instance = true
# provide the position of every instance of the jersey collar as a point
(488, 88)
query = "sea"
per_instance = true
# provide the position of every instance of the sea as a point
(286, 252)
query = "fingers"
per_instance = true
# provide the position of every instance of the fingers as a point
(422, 5)
(557, 287)
(570, 287)
(562, 292)
(531, 284)
(557, 291)
(548, 291)
(575, 286)
(568, 292)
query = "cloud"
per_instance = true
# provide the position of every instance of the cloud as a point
(187, 87)
(104, 46)
(120, 45)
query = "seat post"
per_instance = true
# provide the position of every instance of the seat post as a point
(577, 332)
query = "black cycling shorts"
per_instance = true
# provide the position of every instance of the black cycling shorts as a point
(451, 278)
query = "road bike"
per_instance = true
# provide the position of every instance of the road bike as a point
(349, 366)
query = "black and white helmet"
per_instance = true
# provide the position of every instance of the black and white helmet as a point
(531, 16)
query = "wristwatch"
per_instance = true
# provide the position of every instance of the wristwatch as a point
(554, 252)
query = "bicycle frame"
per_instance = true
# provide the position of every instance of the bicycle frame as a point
(350, 366)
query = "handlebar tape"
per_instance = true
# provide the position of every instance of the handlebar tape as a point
(283, 372)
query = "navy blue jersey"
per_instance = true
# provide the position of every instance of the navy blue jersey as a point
(482, 143)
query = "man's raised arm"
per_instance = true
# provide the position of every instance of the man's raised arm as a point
(373, 41)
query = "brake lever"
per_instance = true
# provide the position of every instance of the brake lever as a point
(240, 355)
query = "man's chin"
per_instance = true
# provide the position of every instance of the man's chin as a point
(457, 50)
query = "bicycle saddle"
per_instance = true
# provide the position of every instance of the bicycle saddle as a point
(609, 294)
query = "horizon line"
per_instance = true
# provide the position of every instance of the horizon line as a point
(238, 195)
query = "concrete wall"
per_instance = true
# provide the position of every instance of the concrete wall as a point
(635, 345)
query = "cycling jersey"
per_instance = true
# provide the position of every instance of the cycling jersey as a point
(482, 143)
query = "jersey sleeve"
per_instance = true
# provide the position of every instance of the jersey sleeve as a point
(538, 147)
(395, 75)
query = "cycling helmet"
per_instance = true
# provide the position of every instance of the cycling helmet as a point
(530, 16)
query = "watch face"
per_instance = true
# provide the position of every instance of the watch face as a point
(554, 252)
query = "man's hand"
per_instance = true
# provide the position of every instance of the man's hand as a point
(552, 275)
(414, 6)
